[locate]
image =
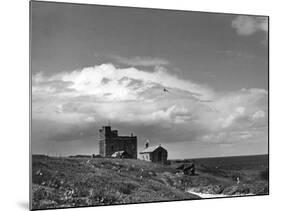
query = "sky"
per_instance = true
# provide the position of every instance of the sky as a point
(97, 65)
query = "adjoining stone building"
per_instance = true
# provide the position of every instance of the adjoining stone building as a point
(110, 142)
(156, 154)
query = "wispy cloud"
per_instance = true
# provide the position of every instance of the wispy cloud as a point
(141, 61)
(248, 25)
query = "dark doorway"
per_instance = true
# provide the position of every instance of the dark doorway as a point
(160, 156)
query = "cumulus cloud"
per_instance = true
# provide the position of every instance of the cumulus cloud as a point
(132, 97)
(248, 25)
(106, 82)
(258, 115)
(234, 137)
(141, 61)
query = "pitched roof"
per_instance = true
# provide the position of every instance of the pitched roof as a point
(150, 149)
(118, 153)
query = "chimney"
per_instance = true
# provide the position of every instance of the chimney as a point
(147, 143)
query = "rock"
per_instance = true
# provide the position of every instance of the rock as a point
(187, 168)
(152, 173)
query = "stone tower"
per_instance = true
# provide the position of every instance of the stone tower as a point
(110, 142)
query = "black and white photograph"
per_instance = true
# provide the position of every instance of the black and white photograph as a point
(137, 105)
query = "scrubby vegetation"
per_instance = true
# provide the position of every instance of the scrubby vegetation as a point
(68, 182)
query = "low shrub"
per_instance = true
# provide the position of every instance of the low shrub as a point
(264, 175)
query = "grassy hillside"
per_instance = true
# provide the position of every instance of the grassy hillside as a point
(68, 182)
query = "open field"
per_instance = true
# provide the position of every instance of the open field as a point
(68, 182)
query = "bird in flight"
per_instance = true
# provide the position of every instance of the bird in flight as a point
(165, 90)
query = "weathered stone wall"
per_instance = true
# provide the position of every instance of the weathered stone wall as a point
(159, 156)
(110, 142)
(128, 144)
(101, 139)
(145, 156)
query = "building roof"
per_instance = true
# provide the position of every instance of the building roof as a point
(118, 153)
(151, 149)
